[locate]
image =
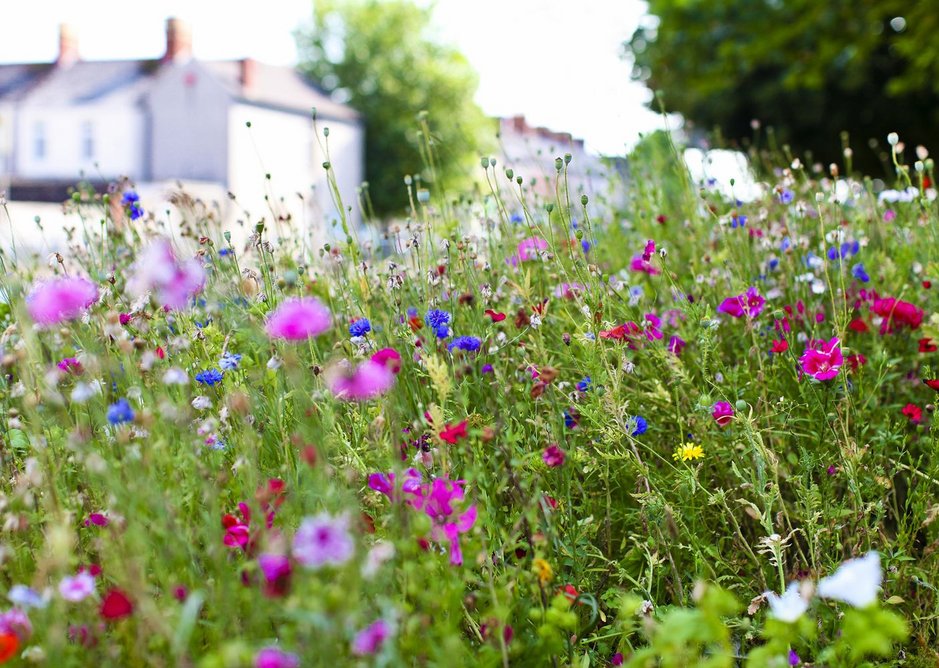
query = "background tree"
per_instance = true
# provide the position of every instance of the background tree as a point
(379, 56)
(810, 69)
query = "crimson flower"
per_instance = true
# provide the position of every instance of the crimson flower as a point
(453, 433)
(116, 605)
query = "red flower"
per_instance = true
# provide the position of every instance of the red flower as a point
(858, 325)
(496, 316)
(913, 412)
(897, 313)
(780, 345)
(160, 352)
(927, 346)
(854, 361)
(452, 433)
(932, 383)
(9, 643)
(116, 605)
(570, 591)
(927, 284)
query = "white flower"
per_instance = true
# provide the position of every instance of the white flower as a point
(175, 376)
(82, 392)
(77, 588)
(788, 607)
(381, 552)
(855, 582)
(202, 403)
(274, 363)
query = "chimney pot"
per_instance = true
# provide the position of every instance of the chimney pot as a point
(249, 73)
(68, 45)
(178, 40)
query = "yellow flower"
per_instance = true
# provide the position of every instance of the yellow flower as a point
(688, 451)
(543, 570)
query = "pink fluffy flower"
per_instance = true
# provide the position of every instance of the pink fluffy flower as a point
(370, 639)
(750, 304)
(723, 413)
(53, 302)
(172, 281)
(272, 657)
(365, 381)
(298, 320)
(822, 360)
(528, 249)
(389, 358)
(553, 456)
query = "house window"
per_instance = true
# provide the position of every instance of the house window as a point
(88, 140)
(39, 141)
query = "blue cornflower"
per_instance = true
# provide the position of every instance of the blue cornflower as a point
(131, 202)
(225, 252)
(412, 312)
(738, 221)
(120, 412)
(439, 321)
(859, 273)
(584, 385)
(230, 361)
(468, 343)
(360, 327)
(517, 218)
(209, 377)
(641, 426)
(585, 245)
(570, 420)
(833, 254)
(786, 196)
(773, 263)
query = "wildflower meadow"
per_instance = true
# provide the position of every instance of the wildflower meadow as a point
(663, 427)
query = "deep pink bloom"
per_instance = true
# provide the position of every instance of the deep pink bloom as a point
(70, 365)
(437, 500)
(553, 456)
(723, 413)
(453, 433)
(897, 313)
(78, 587)
(528, 249)
(237, 531)
(913, 412)
(60, 299)
(822, 360)
(648, 250)
(298, 320)
(370, 639)
(676, 344)
(277, 570)
(17, 622)
(388, 357)
(385, 483)
(365, 381)
(271, 657)
(172, 281)
(639, 265)
(96, 519)
(750, 304)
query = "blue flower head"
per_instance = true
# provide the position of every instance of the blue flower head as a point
(131, 202)
(738, 221)
(570, 421)
(442, 332)
(439, 321)
(585, 245)
(120, 412)
(209, 377)
(516, 218)
(468, 343)
(859, 273)
(229, 361)
(360, 327)
(641, 426)
(786, 196)
(584, 385)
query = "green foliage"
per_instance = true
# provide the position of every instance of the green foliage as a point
(414, 93)
(808, 69)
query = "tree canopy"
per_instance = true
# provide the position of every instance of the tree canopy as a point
(810, 69)
(381, 58)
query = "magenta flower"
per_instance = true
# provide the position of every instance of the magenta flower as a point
(77, 588)
(385, 483)
(639, 265)
(237, 531)
(437, 500)
(365, 381)
(96, 519)
(370, 639)
(528, 249)
(298, 320)
(822, 359)
(676, 344)
(323, 540)
(271, 657)
(553, 456)
(750, 304)
(60, 299)
(723, 413)
(70, 365)
(172, 281)
(277, 570)
(389, 358)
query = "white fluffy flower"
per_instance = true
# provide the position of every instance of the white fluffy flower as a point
(788, 607)
(855, 582)
(202, 403)
(175, 376)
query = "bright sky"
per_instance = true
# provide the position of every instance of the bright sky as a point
(556, 61)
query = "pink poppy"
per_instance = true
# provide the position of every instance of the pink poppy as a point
(750, 304)
(723, 413)
(55, 301)
(298, 320)
(528, 249)
(822, 360)
(171, 280)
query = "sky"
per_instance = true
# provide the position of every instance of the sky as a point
(555, 61)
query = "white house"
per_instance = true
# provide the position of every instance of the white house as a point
(176, 119)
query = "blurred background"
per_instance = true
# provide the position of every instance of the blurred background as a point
(217, 98)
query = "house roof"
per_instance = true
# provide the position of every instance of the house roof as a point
(82, 82)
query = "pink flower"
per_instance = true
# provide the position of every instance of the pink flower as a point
(913, 412)
(822, 359)
(639, 265)
(237, 531)
(370, 639)
(298, 320)
(323, 540)
(70, 365)
(897, 313)
(723, 413)
(749, 304)
(96, 519)
(77, 588)
(172, 281)
(277, 570)
(453, 433)
(365, 381)
(437, 500)
(528, 249)
(271, 657)
(60, 299)
(553, 456)
(648, 250)
(388, 357)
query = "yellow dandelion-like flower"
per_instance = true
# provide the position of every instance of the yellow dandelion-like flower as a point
(543, 570)
(688, 451)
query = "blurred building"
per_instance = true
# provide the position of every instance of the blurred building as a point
(174, 119)
(531, 153)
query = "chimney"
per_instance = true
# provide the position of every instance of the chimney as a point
(178, 40)
(249, 73)
(68, 46)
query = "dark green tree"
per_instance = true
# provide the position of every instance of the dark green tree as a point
(381, 58)
(809, 69)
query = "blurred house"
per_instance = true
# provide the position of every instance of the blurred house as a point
(175, 119)
(531, 153)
